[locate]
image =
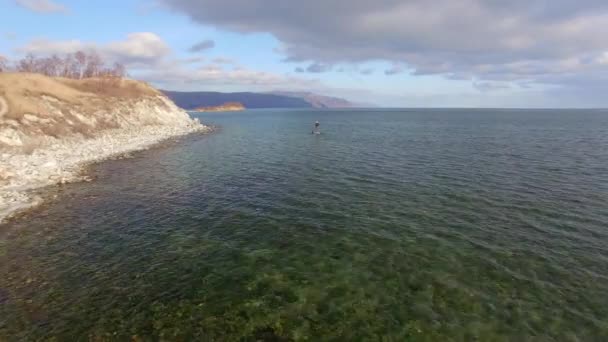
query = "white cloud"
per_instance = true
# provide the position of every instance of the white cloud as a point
(136, 48)
(139, 47)
(224, 60)
(536, 42)
(42, 6)
(43, 46)
(213, 76)
(603, 59)
(150, 59)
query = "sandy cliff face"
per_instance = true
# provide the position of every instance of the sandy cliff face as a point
(37, 110)
(51, 127)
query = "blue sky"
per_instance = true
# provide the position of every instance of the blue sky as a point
(394, 53)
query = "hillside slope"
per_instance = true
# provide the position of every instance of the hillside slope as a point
(38, 108)
(51, 127)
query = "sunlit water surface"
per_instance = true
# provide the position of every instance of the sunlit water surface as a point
(402, 224)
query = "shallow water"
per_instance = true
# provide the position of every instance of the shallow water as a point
(401, 224)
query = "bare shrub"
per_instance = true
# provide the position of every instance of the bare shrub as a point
(81, 62)
(79, 65)
(27, 64)
(49, 66)
(93, 66)
(69, 67)
(118, 70)
(3, 64)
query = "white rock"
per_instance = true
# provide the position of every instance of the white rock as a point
(59, 161)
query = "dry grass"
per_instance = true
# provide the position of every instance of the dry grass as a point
(23, 91)
(58, 107)
(111, 86)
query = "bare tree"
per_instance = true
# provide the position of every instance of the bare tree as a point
(49, 66)
(39, 65)
(81, 62)
(119, 70)
(94, 65)
(3, 64)
(27, 64)
(66, 66)
(56, 65)
(71, 66)
(105, 72)
(78, 65)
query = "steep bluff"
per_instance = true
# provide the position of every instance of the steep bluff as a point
(35, 109)
(51, 127)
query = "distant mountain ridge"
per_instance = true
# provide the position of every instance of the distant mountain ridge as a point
(197, 99)
(193, 100)
(317, 101)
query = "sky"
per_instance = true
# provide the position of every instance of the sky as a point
(396, 53)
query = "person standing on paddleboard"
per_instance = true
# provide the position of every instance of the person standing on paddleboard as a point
(316, 129)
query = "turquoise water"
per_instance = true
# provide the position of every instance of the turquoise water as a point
(391, 225)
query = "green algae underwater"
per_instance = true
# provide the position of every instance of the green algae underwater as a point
(394, 225)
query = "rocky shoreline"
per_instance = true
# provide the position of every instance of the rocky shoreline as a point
(64, 161)
(52, 128)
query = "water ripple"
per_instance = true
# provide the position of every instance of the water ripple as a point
(402, 225)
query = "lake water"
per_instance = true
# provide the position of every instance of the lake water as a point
(400, 224)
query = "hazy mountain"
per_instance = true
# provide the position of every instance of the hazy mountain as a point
(192, 100)
(317, 101)
(275, 99)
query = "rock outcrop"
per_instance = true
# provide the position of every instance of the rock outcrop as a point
(51, 127)
(226, 107)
